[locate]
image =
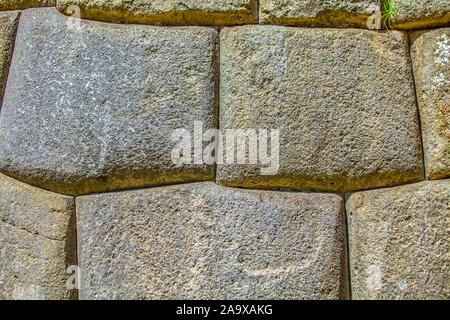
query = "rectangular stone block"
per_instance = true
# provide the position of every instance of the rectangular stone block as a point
(24, 4)
(202, 241)
(334, 13)
(431, 60)
(399, 242)
(37, 242)
(342, 100)
(420, 14)
(92, 107)
(167, 12)
(8, 27)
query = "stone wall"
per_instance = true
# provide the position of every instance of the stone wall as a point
(93, 205)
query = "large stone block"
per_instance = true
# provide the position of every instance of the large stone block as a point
(23, 4)
(399, 242)
(334, 13)
(418, 14)
(431, 60)
(93, 109)
(37, 242)
(200, 240)
(169, 12)
(343, 100)
(8, 26)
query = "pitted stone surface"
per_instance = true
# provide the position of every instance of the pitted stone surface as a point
(343, 100)
(334, 13)
(431, 60)
(170, 12)
(197, 241)
(93, 109)
(37, 242)
(399, 242)
(8, 26)
(418, 14)
(24, 4)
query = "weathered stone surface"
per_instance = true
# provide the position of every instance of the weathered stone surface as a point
(37, 242)
(418, 14)
(93, 110)
(343, 100)
(431, 60)
(399, 242)
(8, 26)
(334, 13)
(170, 12)
(23, 4)
(204, 241)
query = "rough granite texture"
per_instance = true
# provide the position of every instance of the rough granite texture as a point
(331, 13)
(343, 100)
(431, 60)
(8, 26)
(37, 242)
(418, 14)
(170, 12)
(202, 241)
(399, 242)
(24, 4)
(93, 110)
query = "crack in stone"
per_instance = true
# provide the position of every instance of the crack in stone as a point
(34, 233)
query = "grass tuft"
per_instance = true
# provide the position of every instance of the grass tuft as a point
(389, 11)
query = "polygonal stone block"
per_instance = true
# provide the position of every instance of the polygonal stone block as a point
(399, 242)
(37, 242)
(168, 12)
(342, 100)
(202, 241)
(431, 60)
(92, 107)
(334, 13)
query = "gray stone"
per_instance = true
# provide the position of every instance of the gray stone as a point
(37, 242)
(331, 13)
(418, 14)
(169, 12)
(399, 242)
(431, 60)
(8, 26)
(92, 110)
(202, 241)
(343, 100)
(24, 4)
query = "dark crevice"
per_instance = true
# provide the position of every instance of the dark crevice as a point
(71, 247)
(419, 119)
(257, 15)
(216, 66)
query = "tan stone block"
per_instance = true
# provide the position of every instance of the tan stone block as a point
(431, 60)
(400, 242)
(334, 13)
(37, 242)
(24, 4)
(168, 12)
(419, 14)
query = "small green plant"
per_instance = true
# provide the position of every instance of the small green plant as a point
(389, 10)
